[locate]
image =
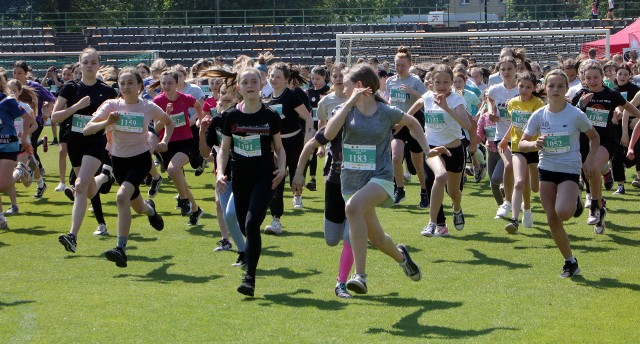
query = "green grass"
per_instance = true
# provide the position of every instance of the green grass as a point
(479, 285)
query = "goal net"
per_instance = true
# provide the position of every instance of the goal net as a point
(542, 46)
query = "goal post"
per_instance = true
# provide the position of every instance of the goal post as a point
(542, 46)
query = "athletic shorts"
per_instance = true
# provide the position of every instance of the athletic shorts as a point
(405, 135)
(557, 177)
(79, 149)
(9, 156)
(174, 147)
(531, 157)
(454, 163)
(608, 143)
(387, 185)
(133, 170)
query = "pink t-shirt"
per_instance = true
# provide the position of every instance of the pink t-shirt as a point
(179, 115)
(209, 103)
(128, 137)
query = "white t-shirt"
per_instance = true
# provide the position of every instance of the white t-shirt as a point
(18, 123)
(440, 127)
(501, 96)
(327, 104)
(401, 99)
(573, 90)
(494, 79)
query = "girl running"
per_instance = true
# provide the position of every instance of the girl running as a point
(249, 135)
(367, 171)
(126, 120)
(525, 165)
(558, 126)
(618, 164)
(76, 104)
(318, 90)
(67, 76)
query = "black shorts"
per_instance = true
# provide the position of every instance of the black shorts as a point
(557, 177)
(9, 156)
(133, 170)
(531, 157)
(78, 149)
(182, 146)
(609, 144)
(454, 163)
(405, 135)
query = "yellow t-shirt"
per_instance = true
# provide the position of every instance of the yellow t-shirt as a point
(520, 112)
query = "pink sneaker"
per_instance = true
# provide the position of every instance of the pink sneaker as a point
(441, 231)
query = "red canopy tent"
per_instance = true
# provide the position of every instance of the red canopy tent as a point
(617, 42)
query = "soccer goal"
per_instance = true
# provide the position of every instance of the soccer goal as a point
(542, 46)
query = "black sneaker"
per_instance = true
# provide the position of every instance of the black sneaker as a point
(458, 220)
(185, 207)
(106, 187)
(55, 141)
(155, 186)
(570, 269)
(311, 185)
(68, 241)
(512, 226)
(155, 220)
(200, 169)
(195, 216)
(399, 196)
(117, 256)
(410, 268)
(579, 207)
(424, 200)
(69, 193)
(248, 286)
(608, 180)
(147, 180)
(241, 262)
(620, 190)
(40, 191)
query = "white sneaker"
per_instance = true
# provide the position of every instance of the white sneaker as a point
(429, 229)
(587, 201)
(600, 226)
(3, 223)
(503, 210)
(527, 218)
(60, 187)
(297, 202)
(274, 228)
(594, 217)
(407, 176)
(441, 231)
(101, 230)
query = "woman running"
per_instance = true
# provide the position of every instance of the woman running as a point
(558, 126)
(249, 135)
(619, 162)
(126, 120)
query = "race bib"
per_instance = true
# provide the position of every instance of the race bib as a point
(314, 114)
(214, 112)
(502, 112)
(179, 119)
(18, 123)
(53, 88)
(557, 142)
(206, 89)
(247, 146)
(78, 122)
(359, 157)
(130, 122)
(398, 96)
(490, 131)
(278, 109)
(434, 119)
(624, 95)
(598, 117)
(520, 118)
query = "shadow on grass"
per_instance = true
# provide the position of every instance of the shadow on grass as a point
(482, 259)
(313, 234)
(37, 231)
(139, 238)
(295, 299)
(269, 251)
(199, 231)
(581, 248)
(410, 326)
(605, 283)
(624, 241)
(287, 273)
(163, 276)
(620, 228)
(484, 236)
(14, 303)
(3, 244)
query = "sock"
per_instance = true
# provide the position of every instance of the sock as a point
(150, 211)
(40, 182)
(571, 259)
(73, 235)
(108, 168)
(122, 242)
(401, 189)
(594, 203)
(346, 262)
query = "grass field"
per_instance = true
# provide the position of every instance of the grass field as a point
(479, 285)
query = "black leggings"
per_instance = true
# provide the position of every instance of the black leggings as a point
(34, 142)
(292, 147)
(251, 196)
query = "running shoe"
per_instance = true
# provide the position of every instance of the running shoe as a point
(570, 269)
(458, 220)
(636, 182)
(195, 216)
(424, 200)
(311, 185)
(69, 193)
(118, 256)
(24, 173)
(55, 141)
(155, 187)
(399, 196)
(341, 291)
(274, 228)
(594, 216)
(469, 171)
(200, 169)
(441, 230)
(480, 173)
(40, 191)
(503, 211)
(101, 230)
(600, 226)
(407, 176)
(155, 220)
(297, 202)
(358, 284)
(3, 223)
(619, 190)
(587, 201)
(410, 268)
(60, 187)
(581, 184)
(429, 229)
(241, 262)
(248, 286)
(185, 207)
(223, 245)
(527, 218)
(579, 207)
(45, 143)
(512, 226)
(13, 209)
(147, 180)
(106, 187)
(69, 242)
(608, 180)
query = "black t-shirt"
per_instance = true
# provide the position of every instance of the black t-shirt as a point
(303, 96)
(629, 88)
(251, 138)
(290, 118)
(316, 95)
(73, 92)
(214, 135)
(605, 101)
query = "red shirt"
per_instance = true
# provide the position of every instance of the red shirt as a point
(210, 103)
(179, 115)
